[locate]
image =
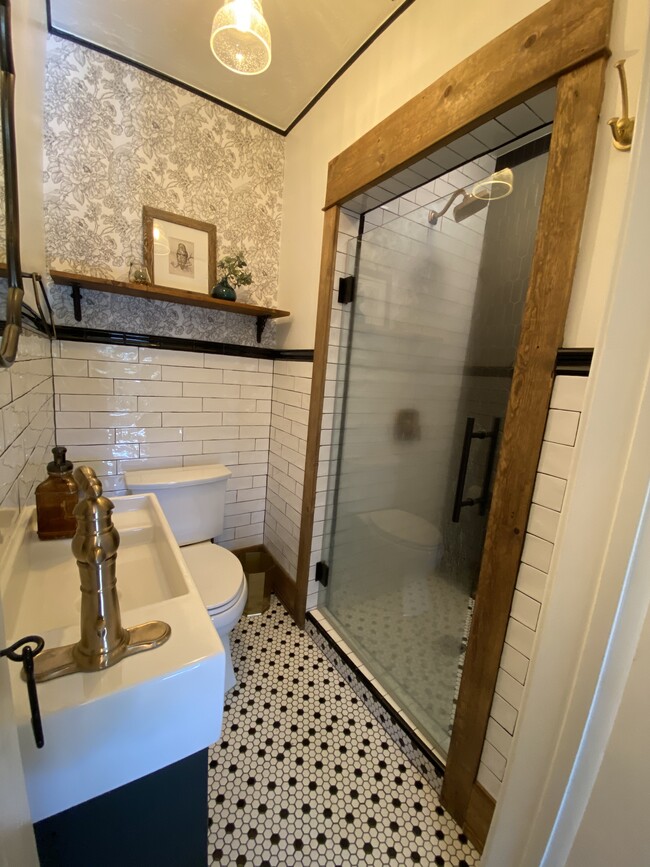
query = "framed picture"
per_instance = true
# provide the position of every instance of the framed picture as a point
(179, 252)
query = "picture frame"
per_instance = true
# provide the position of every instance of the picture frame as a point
(179, 252)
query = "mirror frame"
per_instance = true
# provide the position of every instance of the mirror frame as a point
(563, 44)
(12, 328)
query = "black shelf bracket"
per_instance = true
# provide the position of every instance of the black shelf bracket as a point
(76, 301)
(260, 326)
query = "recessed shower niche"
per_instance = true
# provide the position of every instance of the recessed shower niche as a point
(441, 265)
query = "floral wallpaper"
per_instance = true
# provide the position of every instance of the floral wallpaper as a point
(117, 138)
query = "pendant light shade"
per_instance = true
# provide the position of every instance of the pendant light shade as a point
(241, 39)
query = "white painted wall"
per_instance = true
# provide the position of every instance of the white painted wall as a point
(427, 40)
(613, 826)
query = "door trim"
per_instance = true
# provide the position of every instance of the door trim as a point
(563, 43)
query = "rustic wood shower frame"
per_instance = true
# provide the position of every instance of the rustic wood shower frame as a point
(564, 44)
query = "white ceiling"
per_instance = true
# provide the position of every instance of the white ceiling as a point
(311, 41)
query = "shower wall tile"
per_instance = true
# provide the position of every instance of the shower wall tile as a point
(554, 469)
(504, 714)
(537, 552)
(514, 663)
(543, 522)
(490, 782)
(549, 491)
(125, 408)
(562, 426)
(493, 760)
(289, 405)
(531, 581)
(555, 460)
(569, 393)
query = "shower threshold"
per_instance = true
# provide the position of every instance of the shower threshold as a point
(424, 754)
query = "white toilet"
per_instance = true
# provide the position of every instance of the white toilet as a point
(405, 542)
(193, 500)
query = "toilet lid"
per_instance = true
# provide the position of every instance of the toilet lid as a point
(217, 573)
(407, 528)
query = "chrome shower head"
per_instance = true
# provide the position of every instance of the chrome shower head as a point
(495, 186)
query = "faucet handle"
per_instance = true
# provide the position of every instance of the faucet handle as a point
(88, 483)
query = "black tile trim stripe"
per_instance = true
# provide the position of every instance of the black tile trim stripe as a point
(154, 341)
(85, 43)
(390, 711)
(573, 362)
(569, 362)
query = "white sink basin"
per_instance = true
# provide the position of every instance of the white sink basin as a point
(42, 590)
(108, 728)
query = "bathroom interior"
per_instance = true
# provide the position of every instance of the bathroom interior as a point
(397, 427)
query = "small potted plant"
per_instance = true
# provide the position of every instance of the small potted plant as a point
(232, 274)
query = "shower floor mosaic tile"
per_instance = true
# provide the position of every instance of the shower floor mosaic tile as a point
(305, 775)
(427, 619)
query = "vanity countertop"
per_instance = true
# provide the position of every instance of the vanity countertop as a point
(108, 728)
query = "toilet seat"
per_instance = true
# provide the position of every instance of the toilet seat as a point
(217, 573)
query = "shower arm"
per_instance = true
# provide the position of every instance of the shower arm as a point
(434, 216)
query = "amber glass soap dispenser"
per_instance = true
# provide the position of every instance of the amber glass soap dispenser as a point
(56, 499)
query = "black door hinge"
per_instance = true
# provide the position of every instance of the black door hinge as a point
(346, 290)
(322, 572)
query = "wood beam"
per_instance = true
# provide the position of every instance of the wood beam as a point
(321, 346)
(556, 37)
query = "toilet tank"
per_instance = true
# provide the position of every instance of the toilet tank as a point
(192, 498)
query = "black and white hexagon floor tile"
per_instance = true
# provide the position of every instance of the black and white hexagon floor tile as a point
(305, 775)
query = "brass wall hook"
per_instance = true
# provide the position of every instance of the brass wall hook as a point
(622, 127)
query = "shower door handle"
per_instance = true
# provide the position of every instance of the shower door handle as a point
(470, 435)
(489, 465)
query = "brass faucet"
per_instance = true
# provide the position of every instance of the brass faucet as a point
(104, 641)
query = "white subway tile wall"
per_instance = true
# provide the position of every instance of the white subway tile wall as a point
(553, 472)
(120, 408)
(288, 440)
(26, 427)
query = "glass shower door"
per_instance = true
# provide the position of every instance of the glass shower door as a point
(428, 374)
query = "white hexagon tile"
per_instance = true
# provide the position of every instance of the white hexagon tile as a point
(304, 774)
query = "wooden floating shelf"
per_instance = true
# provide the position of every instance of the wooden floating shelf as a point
(162, 293)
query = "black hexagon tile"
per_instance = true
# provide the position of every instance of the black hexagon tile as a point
(304, 774)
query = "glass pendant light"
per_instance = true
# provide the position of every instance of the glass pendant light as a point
(241, 39)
